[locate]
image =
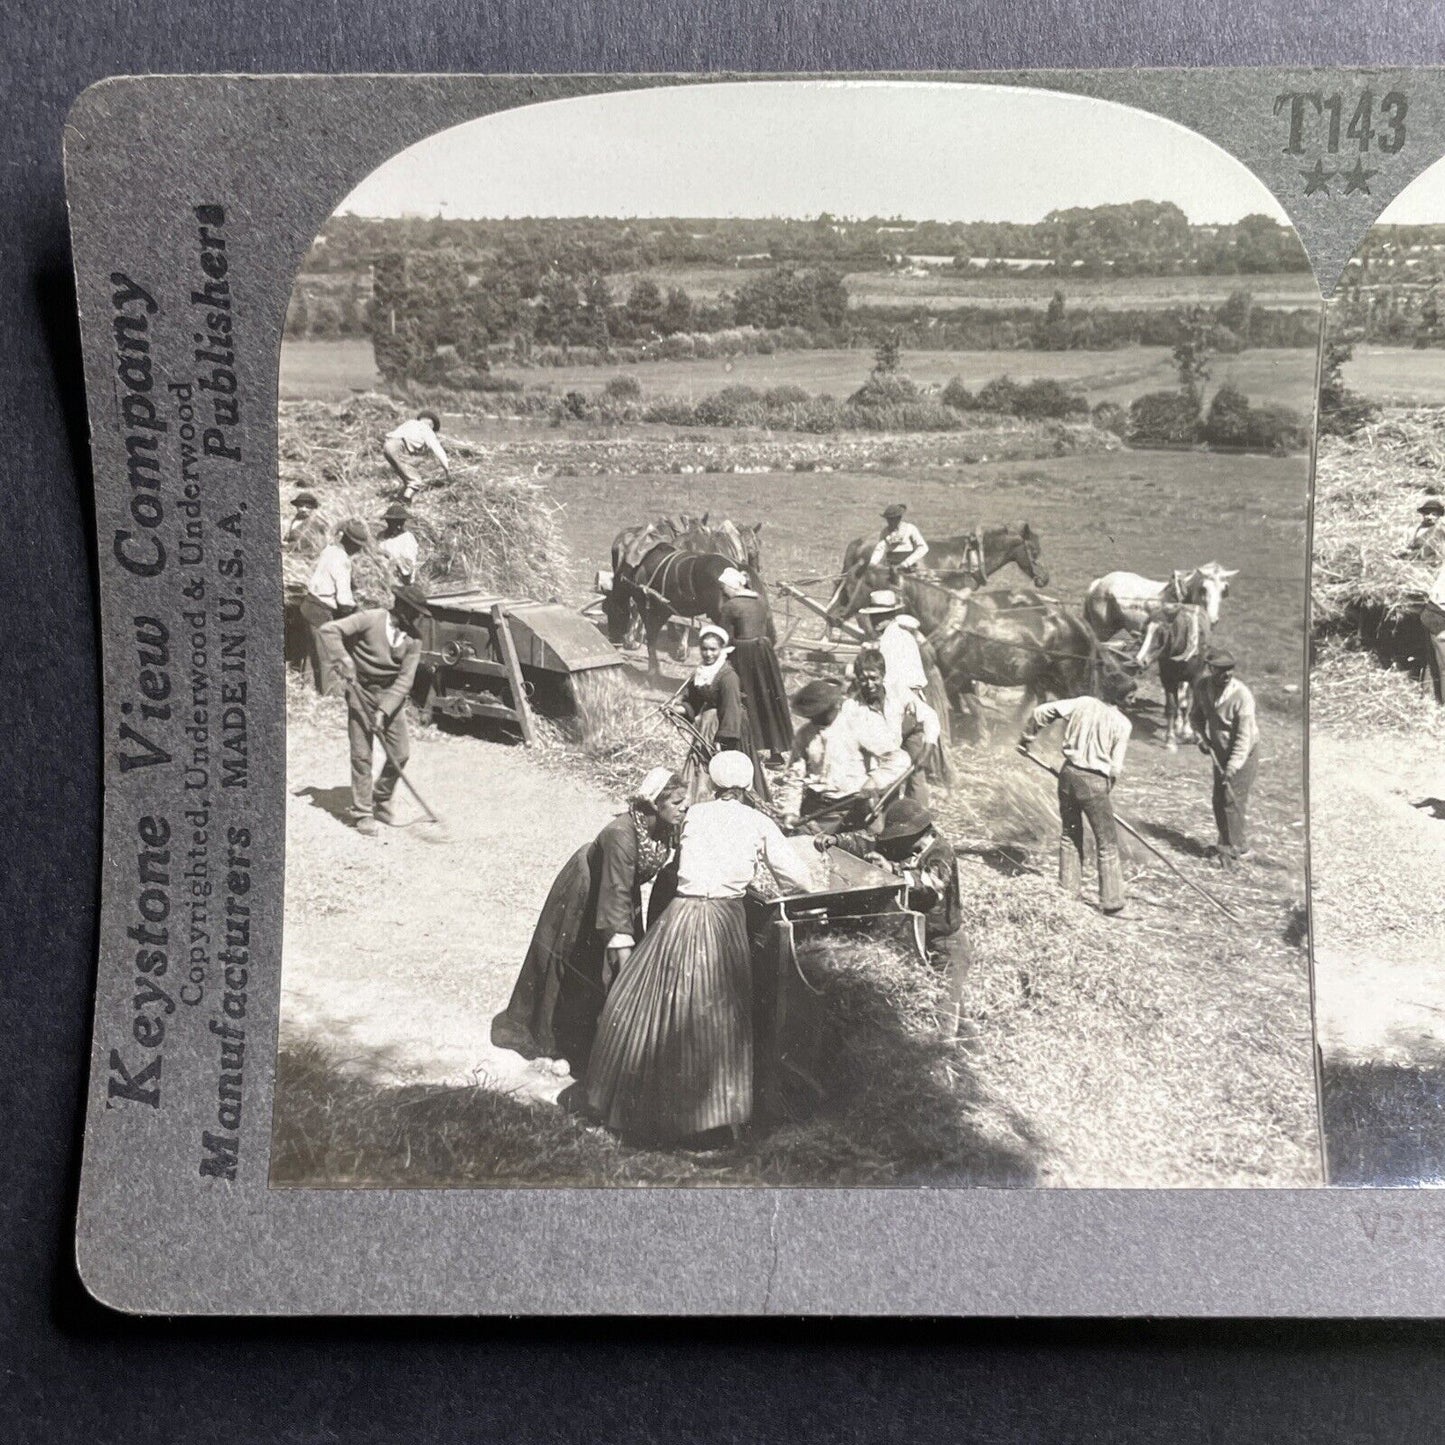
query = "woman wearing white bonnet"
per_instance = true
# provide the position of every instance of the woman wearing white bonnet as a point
(588, 927)
(750, 624)
(712, 702)
(673, 1059)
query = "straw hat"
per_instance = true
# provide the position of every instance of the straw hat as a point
(356, 530)
(731, 770)
(885, 600)
(308, 499)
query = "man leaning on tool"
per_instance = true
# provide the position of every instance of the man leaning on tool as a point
(1096, 736)
(376, 654)
(1222, 714)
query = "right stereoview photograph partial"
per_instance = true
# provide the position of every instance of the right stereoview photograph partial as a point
(1377, 724)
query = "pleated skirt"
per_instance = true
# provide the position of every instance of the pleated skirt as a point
(765, 693)
(674, 1049)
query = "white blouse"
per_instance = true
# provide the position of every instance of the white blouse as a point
(722, 842)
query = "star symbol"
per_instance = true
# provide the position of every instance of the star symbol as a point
(1357, 178)
(1318, 178)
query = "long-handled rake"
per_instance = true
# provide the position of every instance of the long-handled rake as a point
(1134, 833)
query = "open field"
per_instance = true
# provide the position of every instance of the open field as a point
(1398, 375)
(332, 370)
(944, 289)
(1166, 1048)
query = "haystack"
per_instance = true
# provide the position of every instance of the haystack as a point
(479, 529)
(1367, 489)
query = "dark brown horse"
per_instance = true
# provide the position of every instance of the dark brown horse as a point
(1011, 637)
(955, 559)
(1178, 635)
(666, 583)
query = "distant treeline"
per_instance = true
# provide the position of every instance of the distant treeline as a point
(429, 313)
(1142, 238)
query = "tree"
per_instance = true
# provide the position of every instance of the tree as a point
(1237, 313)
(298, 319)
(677, 313)
(1342, 412)
(644, 307)
(887, 354)
(1191, 353)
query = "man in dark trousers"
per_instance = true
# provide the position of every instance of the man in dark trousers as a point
(1096, 737)
(376, 654)
(1223, 717)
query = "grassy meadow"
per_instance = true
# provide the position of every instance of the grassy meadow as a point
(332, 370)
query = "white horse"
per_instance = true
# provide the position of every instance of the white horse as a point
(1125, 601)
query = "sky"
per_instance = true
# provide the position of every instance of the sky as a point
(852, 148)
(1421, 203)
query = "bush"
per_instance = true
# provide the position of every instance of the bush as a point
(788, 395)
(1000, 395)
(1229, 419)
(1109, 416)
(1044, 398)
(957, 395)
(623, 388)
(885, 388)
(1278, 429)
(1164, 418)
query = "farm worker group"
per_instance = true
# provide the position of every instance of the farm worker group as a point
(329, 590)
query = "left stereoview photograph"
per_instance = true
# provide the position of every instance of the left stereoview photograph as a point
(795, 600)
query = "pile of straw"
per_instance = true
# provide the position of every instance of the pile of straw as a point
(479, 529)
(1367, 489)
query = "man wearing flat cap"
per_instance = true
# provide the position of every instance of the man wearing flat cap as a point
(901, 545)
(398, 543)
(843, 757)
(1426, 542)
(375, 653)
(328, 592)
(1222, 714)
(306, 531)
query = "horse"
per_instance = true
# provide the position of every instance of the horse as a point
(956, 558)
(667, 582)
(1013, 637)
(1178, 635)
(1125, 601)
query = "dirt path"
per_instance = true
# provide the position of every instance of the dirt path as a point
(1379, 914)
(399, 950)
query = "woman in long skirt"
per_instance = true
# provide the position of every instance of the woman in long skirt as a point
(589, 925)
(765, 695)
(712, 701)
(673, 1058)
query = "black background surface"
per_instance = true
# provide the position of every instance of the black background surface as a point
(70, 1370)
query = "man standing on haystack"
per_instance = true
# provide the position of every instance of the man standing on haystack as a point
(1096, 737)
(1222, 714)
(328, 592)
(306, 531)
(1424, 544)
(376, 653)
(412, 440)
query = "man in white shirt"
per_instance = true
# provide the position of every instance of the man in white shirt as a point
(413, 439)
(913, 724)
(843, 757)
(329, 594)
(901, 547)
(398, 543)
(1096, 736)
